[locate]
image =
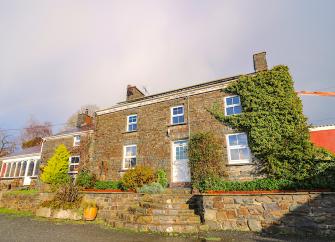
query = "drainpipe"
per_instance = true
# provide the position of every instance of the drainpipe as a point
(188, 118)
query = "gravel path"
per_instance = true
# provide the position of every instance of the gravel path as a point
(19, 229)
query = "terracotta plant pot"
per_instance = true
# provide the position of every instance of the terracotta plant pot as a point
(90, 213)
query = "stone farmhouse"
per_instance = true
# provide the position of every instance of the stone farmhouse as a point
(154, 130)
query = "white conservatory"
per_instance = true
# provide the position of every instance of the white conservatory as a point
(21, 165)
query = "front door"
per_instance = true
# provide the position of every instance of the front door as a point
(180, 167)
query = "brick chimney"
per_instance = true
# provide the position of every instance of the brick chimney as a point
(260, 62)
(84, 120)
(133, 93)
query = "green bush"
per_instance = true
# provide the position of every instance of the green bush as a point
(137, 177)
(205, 157)
(55, 172)
(104, 185)
(162, 178)
(326, 180)
(152, 188)
(85, 179)
(66, 197)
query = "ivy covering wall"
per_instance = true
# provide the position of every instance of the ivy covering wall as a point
(277, 130)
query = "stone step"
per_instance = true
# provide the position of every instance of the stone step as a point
(167, 198)
(159, 211)
(158, 205)
(165, 228)
(162, 219)
(174, 191)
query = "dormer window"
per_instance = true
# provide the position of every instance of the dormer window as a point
(232, 105)
(76, 140)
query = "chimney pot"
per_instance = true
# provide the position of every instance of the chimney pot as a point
(260, 63)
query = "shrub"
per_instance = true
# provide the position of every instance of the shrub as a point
(151, 188)
(85, 179)
(137, 177)
(103, 185)
(66, 197)
(324, 181)
(55, 172)
(162, 178)
(205, 157)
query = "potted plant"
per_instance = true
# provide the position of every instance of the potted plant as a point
(90, 210)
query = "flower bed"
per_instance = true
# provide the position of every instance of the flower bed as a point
(106, 190)
(264, 191)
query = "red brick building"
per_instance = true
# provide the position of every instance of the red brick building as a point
(324, 136)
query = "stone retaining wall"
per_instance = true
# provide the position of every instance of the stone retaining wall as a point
(303, 212)
(23, 202)
(110, 203)
(289, 212)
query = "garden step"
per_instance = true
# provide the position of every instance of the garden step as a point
(167, 228)
(157, 205)
(159, 211)
(162, 219)
(175, 191)
(165, 198)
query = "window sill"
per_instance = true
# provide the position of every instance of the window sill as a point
(129, 132)
(10, 178)
(125, 169)
(172, 125)
(240, 164)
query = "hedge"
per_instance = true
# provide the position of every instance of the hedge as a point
(104, 185)
(325, 180)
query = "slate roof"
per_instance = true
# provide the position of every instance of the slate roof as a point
(27, 151)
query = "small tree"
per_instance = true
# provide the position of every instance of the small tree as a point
(205, 158)
(33, 132)
(55, 172)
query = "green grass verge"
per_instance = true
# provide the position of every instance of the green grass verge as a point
(9, 211)
(22, 192)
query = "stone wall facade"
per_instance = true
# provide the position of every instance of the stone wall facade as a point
(155, 135)
(23, 202)
(83, 150)
(299, 212)
(303, 212)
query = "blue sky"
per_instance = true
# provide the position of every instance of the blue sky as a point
(56, 56)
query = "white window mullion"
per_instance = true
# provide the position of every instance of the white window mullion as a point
(238, 150)
(27, 167)
(129, 156)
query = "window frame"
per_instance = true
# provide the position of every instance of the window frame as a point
(131, 123)
(229, 147)
(73, 164)
(128, 157)
(185, 143)
(75, 140)
(4, 169)
(177, 115)
(232, 105)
